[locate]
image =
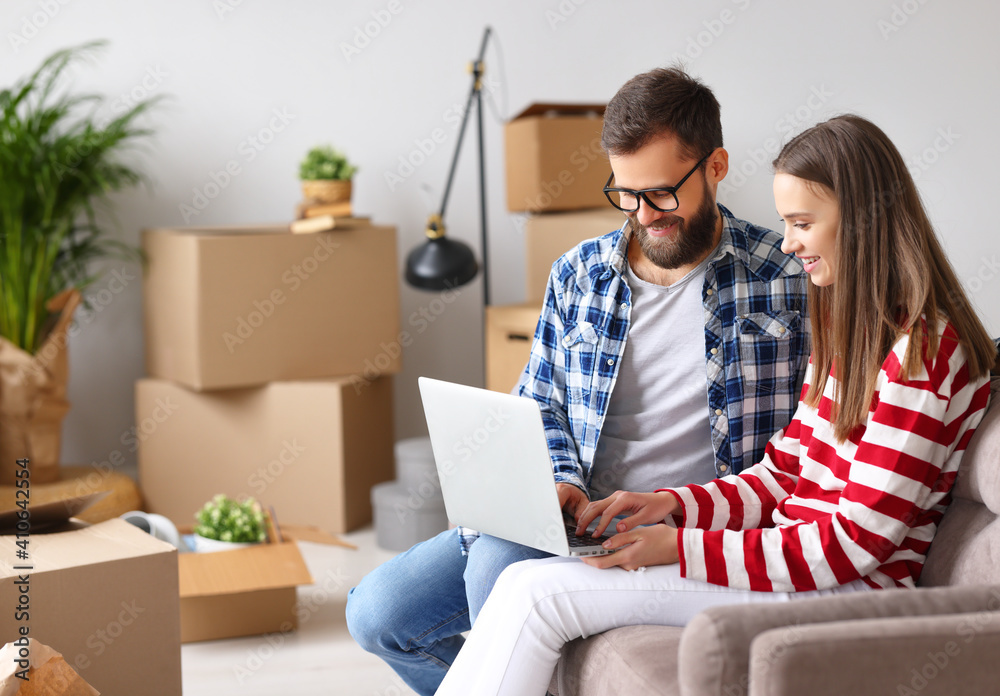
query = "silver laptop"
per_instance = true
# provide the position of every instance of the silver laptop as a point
(495, 470)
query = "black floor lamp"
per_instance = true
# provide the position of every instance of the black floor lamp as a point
(441, 263)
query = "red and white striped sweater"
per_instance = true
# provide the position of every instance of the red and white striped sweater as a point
(816, 513)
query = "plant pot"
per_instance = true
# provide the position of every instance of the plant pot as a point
(327, 190)
(33, 398)
(206, 545)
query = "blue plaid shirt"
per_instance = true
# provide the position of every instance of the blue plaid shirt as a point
(756, 346)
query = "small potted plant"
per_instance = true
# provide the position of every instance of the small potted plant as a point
(224, 523)
(326, 175)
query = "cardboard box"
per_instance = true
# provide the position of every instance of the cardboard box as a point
(310, 449)
(106, 597)
(235, 307)
(550, 235)
(554, 158)
(244, 592)
(509, 333)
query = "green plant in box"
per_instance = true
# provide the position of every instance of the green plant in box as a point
(225, 519)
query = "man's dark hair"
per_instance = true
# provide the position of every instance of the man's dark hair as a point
(664, 101)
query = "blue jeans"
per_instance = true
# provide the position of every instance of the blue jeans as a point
(412, 610)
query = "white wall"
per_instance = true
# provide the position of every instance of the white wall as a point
(919, 68)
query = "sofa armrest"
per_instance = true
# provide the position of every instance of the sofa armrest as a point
(925, 655)
(714, 651)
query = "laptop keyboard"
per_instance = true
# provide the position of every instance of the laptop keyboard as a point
(577, 542)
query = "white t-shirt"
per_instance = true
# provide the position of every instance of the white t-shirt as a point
(656, 432)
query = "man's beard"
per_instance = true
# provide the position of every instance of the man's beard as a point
(693, 239)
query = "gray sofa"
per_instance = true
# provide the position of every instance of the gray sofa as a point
(942, 638)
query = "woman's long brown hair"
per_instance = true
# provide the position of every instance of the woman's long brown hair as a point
(890, 268)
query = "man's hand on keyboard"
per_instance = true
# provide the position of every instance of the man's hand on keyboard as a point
(572, 499)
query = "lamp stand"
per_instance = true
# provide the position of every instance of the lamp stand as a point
(442, 263)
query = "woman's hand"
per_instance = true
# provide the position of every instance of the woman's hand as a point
(645, 546)
(642, 508)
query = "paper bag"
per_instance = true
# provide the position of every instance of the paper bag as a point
(33, 398)
(36, 669)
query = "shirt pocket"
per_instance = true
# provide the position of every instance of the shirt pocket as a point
(580, 348)
(767, 350)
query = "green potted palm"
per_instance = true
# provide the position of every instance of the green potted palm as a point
(326, 175)
(59, 161)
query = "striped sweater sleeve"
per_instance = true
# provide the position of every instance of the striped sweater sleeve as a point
(863, 508)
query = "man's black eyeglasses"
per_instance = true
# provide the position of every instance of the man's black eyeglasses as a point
(663, 199)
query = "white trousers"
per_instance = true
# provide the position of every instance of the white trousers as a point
(537, 606)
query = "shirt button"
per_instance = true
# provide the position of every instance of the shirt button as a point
(723, 468)
(624, 305)
(718, 411)
(709, 291)
(714, 351)
(610, 361)
(781, 329)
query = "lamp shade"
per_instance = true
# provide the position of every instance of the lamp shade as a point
(439, 264)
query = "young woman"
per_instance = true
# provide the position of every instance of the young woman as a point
(848, 495)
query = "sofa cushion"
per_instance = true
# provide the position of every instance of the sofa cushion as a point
(966, 548)
(714, 652)
(918, 656)
(629, 660)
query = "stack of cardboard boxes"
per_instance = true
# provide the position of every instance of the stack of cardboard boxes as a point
(270, 357)
(556, 171)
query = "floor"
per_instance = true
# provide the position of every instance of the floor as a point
(320, 658)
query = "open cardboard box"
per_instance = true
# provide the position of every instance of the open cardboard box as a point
(554, 158)
(247, 591)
